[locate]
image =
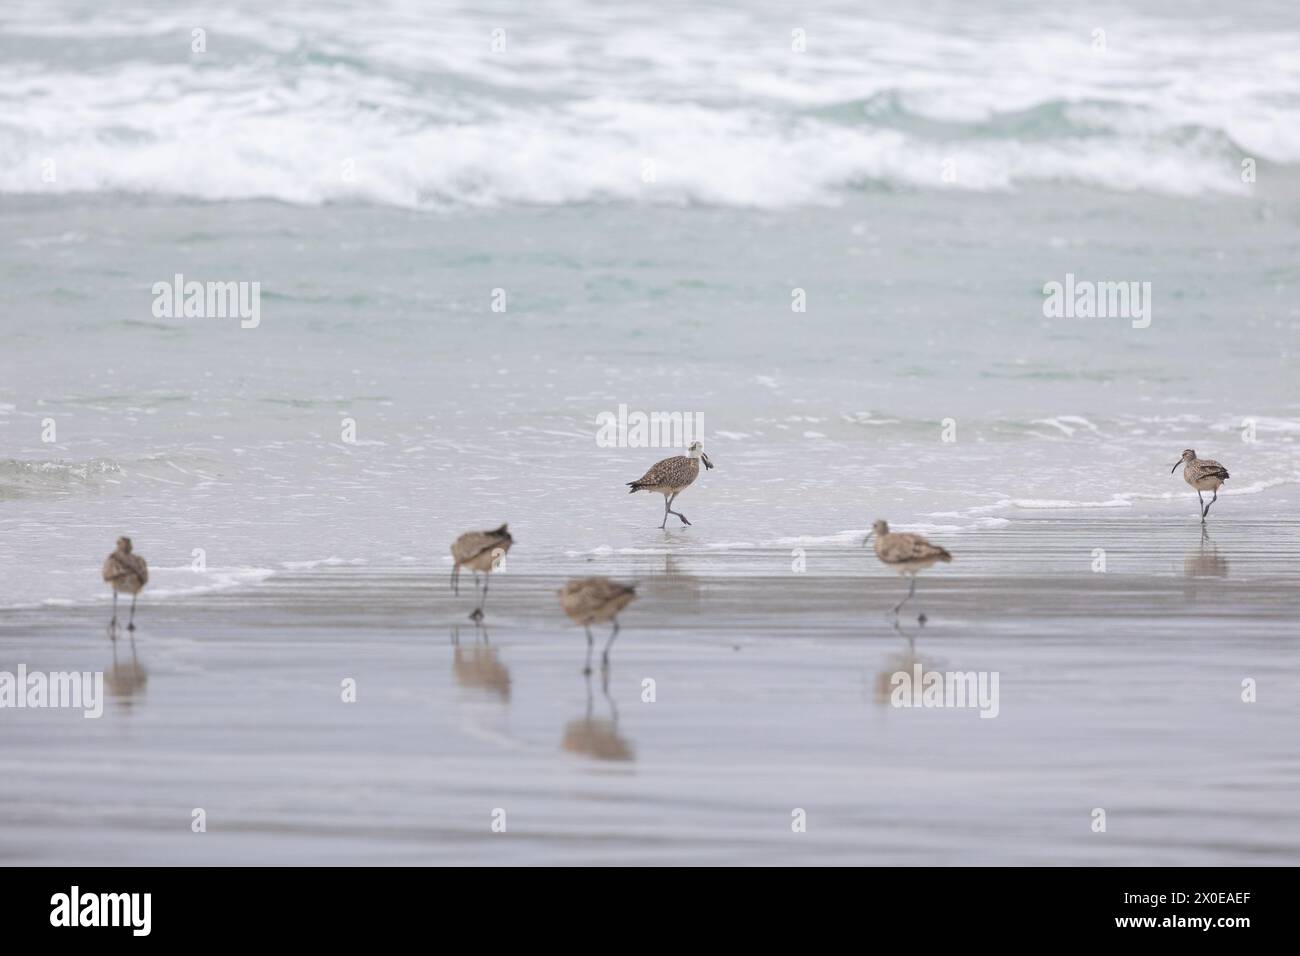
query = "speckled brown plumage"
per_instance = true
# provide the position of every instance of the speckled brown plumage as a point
(594, 600)
(589, 601)
(126, 571)
(672, 476)
(1203, 470)
(904, 550)
(479, 551)
(474, 549)
(1203, 474)
(908, 554)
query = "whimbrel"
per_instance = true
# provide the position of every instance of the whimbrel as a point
(671, 477)
(126, 572)
(1203, 475)
(591, 600)
(908, 554)
(479, 551)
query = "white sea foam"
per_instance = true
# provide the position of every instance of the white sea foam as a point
(415, 110)
(185, 582)
(164, 584)
(330, 562)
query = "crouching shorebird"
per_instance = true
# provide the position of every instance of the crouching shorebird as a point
(126, 572)
(1203, 475)
(589, 601)
(479, 551)
(671, 477)
(908, 554)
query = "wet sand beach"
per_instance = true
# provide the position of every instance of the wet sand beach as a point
(1118, 690)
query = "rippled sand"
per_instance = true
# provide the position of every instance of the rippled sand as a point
(1118, 690)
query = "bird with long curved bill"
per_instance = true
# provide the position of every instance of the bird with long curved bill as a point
(1203, 475)
(671, 477)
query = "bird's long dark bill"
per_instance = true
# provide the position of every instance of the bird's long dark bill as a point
(707, 464)
(867, 540)
(1175, 468)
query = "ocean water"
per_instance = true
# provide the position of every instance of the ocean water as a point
(650, 190)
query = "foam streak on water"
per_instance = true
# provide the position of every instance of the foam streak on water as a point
(420, 110)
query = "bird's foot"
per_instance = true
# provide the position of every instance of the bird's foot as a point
(684, 521)
(131, 626)
(476, 614)
(587, 671)
(921, 619)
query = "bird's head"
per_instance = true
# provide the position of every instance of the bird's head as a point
(697, 451)
(124, 544)
(1188, 455)
(878, 527)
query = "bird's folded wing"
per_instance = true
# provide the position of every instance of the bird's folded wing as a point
(118, 566)
(472, 544)
(603, 592)
(910, 547)
(663, 472)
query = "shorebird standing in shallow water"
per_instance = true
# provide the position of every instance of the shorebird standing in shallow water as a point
(479, 551)
(908, 554)
(1203, 475)
(126, 572)
(671, 477)
(589, 601)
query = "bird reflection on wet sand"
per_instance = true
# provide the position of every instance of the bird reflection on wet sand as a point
(124, 680)
(675, 584)
(1205, 561)
(596, 737)
(477, 666)
(903, 661)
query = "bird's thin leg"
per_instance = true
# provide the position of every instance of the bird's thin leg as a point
(131, 624)
(112, 625)
(483, 600)
(678, 513)
(910, 591)
(477, 613)
(604, 688)
(665, 521)
(1202, 501)
(604, 658)
(455, 578)
(1212, 501)
(587, 668)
